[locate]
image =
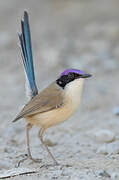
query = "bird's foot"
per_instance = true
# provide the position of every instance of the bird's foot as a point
(28, 157)
(22, 160)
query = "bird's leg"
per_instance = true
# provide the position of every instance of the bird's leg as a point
(28, 127)
(45, 146)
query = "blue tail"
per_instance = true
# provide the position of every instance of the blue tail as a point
(25, 42)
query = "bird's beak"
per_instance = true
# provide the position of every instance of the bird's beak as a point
(85, 75)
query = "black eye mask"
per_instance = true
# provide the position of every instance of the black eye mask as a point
(65, 79)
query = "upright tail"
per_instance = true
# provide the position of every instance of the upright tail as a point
(26, 49)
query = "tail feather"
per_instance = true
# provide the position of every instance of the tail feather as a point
(27, 57)
(26, 49)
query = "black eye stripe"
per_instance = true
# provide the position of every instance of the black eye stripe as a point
(65, 79)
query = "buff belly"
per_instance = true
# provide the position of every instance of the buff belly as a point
(51, 118)
(58, 115)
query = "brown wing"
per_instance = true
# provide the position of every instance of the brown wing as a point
(50, 98)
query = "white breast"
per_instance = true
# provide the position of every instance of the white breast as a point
(73, 92)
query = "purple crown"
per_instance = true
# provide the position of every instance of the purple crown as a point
(67, 71)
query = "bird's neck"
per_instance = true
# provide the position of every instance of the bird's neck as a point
(73, 92)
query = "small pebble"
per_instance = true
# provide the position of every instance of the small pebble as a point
(102, 150)
(115, 176)
(104, 136)
(104, 174)
(111, 148)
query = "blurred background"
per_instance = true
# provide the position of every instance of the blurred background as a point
(65, 34)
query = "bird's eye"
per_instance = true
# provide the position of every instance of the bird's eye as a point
(60, 82)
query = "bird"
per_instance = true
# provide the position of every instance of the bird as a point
(53, 105)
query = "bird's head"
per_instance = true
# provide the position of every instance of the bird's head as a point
(71, 75)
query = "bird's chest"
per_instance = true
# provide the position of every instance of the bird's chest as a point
(73, 94)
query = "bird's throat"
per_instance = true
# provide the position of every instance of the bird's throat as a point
(73, 93)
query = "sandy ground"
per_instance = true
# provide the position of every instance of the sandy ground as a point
(67, 33)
